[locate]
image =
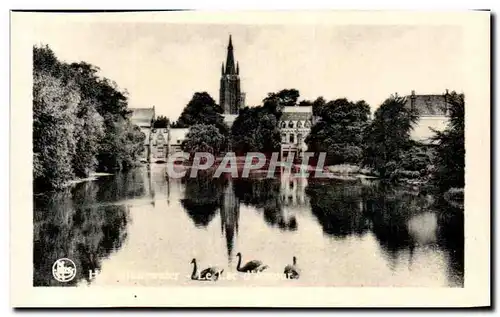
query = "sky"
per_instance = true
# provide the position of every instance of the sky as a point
(164, 64)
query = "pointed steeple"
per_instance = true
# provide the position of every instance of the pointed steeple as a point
(230, 69)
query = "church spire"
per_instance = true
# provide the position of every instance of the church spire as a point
(230, 69)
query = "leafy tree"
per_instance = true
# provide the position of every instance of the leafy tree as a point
(450, 150)
(80, 120)
(202, 109)
(204, 138)
(89, 130)
(317, 106)
(161, 122)
(388, 136)
(255, 130)
(275, 102)
(339, 133)
(54, 108)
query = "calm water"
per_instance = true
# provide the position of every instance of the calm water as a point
(139, 228)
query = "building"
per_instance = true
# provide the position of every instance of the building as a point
(159, 144)
(295, 125)
(433, 115)
(231, 99)
(177, 136)
(144, 119)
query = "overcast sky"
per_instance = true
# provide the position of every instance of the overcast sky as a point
(164, 64)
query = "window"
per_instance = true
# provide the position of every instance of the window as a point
(299, 138)
(290, 124)
(292, 138)
(308, 124)
(283, 137)
(178, 141)
(299, 124)
(283, 124)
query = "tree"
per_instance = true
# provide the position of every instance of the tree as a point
(340, 131)
(204, 138)
(318, 106)
(89, 130)
(54, 115)
(80, 120)
(275, 102)
(388, 136)
(255, 130)
(202, 109)
(161, 122)
(450, 150)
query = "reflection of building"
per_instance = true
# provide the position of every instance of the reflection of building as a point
(231, 99)
(295, 125)
(293, 190)
(433, 112)
(177, 136)
(229, 211)
(144, 118)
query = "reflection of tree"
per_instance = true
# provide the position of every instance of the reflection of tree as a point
(451, 238)
(265, 194)
(122, 186)
(72, 225)
(202, 198)
(339, 207)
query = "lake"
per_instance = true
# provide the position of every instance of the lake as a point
(142, 228)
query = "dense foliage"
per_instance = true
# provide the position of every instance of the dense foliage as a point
(161, 122)
(388, 137)
(339, 132)
(80, 122)
(202, 109)
(256, 128)
(204, 138)
(450, 150)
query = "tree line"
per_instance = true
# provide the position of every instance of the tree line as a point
(80, 122)
(344, 129)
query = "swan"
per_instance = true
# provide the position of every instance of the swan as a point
(253, 266)
(291, 271)
(209, 274)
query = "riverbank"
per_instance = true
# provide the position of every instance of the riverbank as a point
(91, 177)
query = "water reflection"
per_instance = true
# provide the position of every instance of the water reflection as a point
(71, 225)
(171, 221)
(202, 198)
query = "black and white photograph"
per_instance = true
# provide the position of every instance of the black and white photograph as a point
(224, 155)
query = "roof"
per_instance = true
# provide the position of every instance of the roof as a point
(298, 109)
(296, 113)
(142, 116)
(428, 105)
(229, 118)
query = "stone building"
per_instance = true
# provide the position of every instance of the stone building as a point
(295, 125)
(433, 115)
(231, 99)
(159, 144)
(144, 119)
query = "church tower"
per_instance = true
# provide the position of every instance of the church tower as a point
(230, 93)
